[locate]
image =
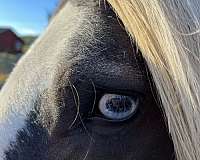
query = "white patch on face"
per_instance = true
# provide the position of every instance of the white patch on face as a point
(34, 73)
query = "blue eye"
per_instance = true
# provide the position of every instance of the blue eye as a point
(118, 107)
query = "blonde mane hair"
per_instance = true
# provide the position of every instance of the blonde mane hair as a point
(167, 34)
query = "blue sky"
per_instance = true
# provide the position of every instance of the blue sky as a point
(26, 17)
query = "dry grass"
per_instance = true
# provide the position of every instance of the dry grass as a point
(3, 78)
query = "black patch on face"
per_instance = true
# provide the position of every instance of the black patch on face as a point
(31, 142)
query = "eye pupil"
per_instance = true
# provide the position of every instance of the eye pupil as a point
(118, 104)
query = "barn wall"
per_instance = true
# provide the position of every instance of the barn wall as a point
(8, 42)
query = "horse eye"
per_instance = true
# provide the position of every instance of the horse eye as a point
(118, 107)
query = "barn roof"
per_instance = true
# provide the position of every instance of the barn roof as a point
(3, 30)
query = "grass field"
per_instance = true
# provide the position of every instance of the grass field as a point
(7, 63)
(28, 42)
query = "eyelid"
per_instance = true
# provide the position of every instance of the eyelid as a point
(125, 92)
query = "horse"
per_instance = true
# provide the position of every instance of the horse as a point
(107, 80)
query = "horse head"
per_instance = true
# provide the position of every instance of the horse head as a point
(83, 91)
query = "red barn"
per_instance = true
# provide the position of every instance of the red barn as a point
(9, 41)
